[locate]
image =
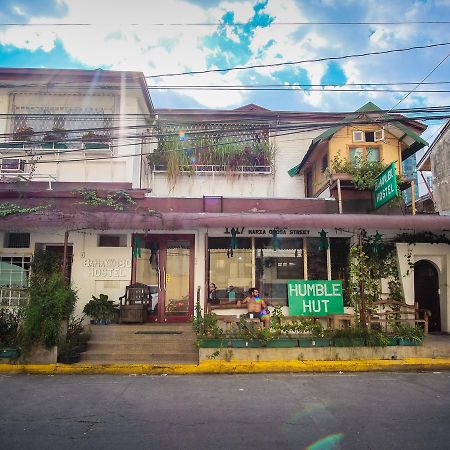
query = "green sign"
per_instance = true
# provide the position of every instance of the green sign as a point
(385, 186)
(315, 297)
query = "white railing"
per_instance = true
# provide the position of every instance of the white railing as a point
(11, 175)
(203, 169)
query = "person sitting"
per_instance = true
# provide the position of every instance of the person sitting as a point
(256, 307)
(212, 296)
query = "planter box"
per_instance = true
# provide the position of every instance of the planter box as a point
(212, 343)
(314, 342)
(282, 343)
(409, 342)
(242, 343)
(349, 342)
(392, 341)
(69, 359)
(9, 353)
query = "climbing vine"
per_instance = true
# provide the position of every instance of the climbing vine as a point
(369, 262)
(118, 200)
(9, 209)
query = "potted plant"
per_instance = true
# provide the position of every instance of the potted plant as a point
(100, 310)
(408, 334)
(55, 138)
(23, 134)
(207, 330)
(350, 337)
(93, 140)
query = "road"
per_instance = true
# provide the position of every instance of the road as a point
(289, 411)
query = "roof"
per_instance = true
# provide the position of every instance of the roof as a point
(51, 77)
(425, 163)
(398, 129)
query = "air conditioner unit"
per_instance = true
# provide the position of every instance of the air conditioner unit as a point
(12, 165)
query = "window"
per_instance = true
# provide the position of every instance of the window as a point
(324, 164)
(309, 184)
(17, 240)
(372, 153)
(368, 136)
(317, 260)
(356, 153)
(112, 240)
(14, 272)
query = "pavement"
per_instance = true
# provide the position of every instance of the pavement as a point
(439, 344)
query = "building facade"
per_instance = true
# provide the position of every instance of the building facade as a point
(176, 199)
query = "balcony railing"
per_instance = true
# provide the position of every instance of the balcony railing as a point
(213, 169)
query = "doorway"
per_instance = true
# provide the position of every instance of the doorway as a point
(426, 292)
(166, 264)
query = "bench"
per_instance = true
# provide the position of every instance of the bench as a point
(388, 312)
(134, 304)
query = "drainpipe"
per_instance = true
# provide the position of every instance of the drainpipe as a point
(64, 262)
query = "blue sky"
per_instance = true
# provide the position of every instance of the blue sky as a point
(252, 32)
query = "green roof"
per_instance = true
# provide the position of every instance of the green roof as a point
(368, 107)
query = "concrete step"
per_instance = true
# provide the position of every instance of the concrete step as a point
(130, 343)
(144, 346)
(150, 358)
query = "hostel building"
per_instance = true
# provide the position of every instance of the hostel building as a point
(176, 199)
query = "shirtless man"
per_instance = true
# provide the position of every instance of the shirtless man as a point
(256, 306)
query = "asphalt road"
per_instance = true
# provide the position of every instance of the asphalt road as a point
(289, 411)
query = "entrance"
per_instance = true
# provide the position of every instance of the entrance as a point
(426, 292)
(166, 264)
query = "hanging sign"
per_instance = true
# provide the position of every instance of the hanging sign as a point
(315, 297)
(385, 186)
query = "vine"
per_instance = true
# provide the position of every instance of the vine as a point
(118, 200)
(9, 209)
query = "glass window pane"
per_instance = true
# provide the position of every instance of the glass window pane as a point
(274, 267)
(226, 270)
(373, 154)
(339, 254)
(356, 153)
(317, 260)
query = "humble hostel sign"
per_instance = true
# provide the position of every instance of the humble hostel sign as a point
(385, 186)
(315, 297)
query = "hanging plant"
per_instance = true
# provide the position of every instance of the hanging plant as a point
(23, 134)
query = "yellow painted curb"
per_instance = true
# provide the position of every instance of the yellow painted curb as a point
(234, 367)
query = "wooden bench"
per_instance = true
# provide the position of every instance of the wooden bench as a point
(133, 305)
(388, 312)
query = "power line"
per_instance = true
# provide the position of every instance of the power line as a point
(288, 63)
(216, 24)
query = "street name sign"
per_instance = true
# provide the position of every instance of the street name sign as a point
(315, 297)
(385, 186)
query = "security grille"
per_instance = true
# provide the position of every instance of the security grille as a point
(17, 240)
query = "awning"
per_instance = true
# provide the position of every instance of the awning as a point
(192, 221)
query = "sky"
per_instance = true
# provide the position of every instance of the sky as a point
(125, 35)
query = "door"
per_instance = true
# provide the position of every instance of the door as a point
(166, 264)
(426, 292)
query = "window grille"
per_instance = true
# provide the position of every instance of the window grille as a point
(17, 240)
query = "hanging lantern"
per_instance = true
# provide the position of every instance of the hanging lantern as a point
(136, 252)
(377, 244)
(323, 241)
(275, 240)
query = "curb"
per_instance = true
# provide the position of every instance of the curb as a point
(233, 367)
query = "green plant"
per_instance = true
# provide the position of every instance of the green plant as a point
(9, 326)
(75, 342)
(8, 209)
(51, 299)
(23, 134)
(376, 338)
(100, 309)
(57, 134)
(410, 332)
(363, 171)
(206, 325)
(117, 200)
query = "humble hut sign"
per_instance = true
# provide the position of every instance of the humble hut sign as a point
(315, 297)
(385, 186)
